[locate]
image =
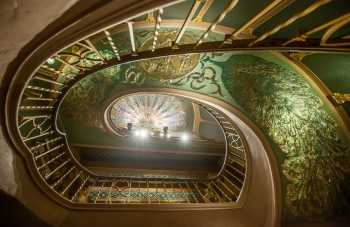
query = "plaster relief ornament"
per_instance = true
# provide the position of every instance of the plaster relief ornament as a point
(170, 67)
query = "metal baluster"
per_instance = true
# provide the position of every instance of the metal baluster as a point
(110, 191)
(221, 191)
(36, 107)
(232, 175)
(235, 186)
(187, 21)
(27, 119)
(156, 29)
(191, 192)
(80, 188)
(149, 199)
(49, 151)
(216, 194)
(71, 183)
(290, 20)
(99, 192)
(132, 39)
(130, 185)
(201, 194)
(203, 11)
(236, 169)
(48, 80)
(92, 46)
(46, 143)
(222, 15)
(52, 160)
(36, 88)
(62, 177)
(183, 191)
(55, 170)
(111, 43)
(67, 64)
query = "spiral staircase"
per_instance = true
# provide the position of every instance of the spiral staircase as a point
(247, 70)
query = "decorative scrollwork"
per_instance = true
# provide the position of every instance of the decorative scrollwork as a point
(204, 79)
(133, 77)
(289, 111)
(33, 126)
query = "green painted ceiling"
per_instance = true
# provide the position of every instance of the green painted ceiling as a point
(325, 13)
(333, 70)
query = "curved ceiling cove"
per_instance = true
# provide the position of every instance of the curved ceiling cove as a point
(156, 109)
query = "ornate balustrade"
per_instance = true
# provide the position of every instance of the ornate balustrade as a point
(44, 90)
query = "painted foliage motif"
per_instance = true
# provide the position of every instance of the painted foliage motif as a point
(314, 157)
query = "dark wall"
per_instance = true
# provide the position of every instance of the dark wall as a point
(13, 213)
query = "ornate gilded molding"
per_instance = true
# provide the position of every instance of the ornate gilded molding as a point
(269, 11)
(298, 56)
(331, 26)
(229, 6)
(291, 20)
(203, 10)
(340, 99)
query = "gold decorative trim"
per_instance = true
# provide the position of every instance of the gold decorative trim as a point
(203, 11)
(332, 26)
(341, 98)
(291, 20)
(341, 116)
(248, 28)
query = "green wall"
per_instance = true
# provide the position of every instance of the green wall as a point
(312, 152)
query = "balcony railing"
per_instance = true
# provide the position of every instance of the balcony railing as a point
(65, 176)
(42, 93)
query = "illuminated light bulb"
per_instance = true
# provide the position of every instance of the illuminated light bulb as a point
(143, 133)
(161, 134)
(185, 137)
(137, 132)
(51, 61)
(168, 136)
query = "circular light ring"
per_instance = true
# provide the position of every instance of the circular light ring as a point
(147, 111)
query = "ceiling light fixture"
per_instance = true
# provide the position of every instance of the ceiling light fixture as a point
(185, 137)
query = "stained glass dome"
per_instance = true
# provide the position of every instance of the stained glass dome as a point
(148, 111)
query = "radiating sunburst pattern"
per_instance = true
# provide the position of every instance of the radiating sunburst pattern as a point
(150, 111)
